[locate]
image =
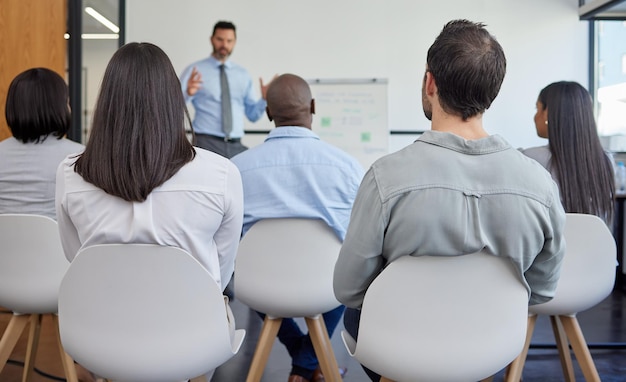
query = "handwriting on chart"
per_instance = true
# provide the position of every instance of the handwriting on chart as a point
(361, 98)
(345, 108)
(342, 120)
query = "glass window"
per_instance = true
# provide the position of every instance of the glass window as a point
(611, 77)
(99, 28)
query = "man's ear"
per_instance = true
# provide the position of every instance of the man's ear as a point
(269, 115)
(431, 86)
(313, 106)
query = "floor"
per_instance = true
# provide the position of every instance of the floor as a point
(603, 324)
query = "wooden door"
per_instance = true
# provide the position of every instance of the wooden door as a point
(31, 35)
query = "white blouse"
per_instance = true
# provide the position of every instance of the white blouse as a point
(199, 209)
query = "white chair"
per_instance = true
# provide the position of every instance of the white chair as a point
(284, 268)
(133, 312)
(587, 278)
(439, 318)
(32, 265)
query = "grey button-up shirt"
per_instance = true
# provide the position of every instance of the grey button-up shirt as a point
(447, 196)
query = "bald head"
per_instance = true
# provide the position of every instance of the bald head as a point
(289, 101)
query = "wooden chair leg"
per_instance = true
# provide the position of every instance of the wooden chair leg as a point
(323, 348)
(31, 347)
(10, 337)
(68, 363)
(263, 348)
(579, 345)
(383, 379)
(514, 370)
(563, 346)
(201, 378)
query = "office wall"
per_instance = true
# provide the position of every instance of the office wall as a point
(544, 42)
(31, 35)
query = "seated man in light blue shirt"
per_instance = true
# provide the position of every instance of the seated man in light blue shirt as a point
(294, 174)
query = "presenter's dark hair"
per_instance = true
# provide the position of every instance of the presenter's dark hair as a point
(37, 105)
(138, 140)
(224, 25)
(468, 66)
(582, 169)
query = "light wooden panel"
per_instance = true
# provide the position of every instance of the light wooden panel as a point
(31, 35)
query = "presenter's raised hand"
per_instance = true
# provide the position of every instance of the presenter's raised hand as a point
(265, 86)
(194, 83)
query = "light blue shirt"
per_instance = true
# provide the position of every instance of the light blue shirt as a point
(207, 101)
(294, 174)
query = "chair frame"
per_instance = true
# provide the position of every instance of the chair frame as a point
(147, 278)
(562, 309)
(301, 240)
(475, 272)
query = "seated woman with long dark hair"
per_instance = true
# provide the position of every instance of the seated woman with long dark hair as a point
(140, 180)
(574, 155)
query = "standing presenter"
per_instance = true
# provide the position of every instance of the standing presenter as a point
(221, 92)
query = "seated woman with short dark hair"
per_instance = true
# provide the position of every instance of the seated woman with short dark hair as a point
(38, 114)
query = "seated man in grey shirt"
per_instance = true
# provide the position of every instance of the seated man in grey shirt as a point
(457, 190)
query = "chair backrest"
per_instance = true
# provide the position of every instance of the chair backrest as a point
(437, 318)
(285, 267)
(32, 263)
(134, 312)
(588, 271)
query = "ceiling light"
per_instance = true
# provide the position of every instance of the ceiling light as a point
(103, 20)
(100, 36)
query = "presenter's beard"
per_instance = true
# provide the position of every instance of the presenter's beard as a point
(426, 105)
(222, 53)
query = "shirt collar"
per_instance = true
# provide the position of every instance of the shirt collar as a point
(291, 132)
(216, 63)
(490, 144)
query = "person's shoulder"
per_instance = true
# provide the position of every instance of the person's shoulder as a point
(538, 150)
(204, 157)
(74, 182)
(197, 64)
(10, 141)
(342, 156)
(253, 156)
(540, 154)
(532, 172)
(235, 67)
(67, 165)
(71, 145)
(404, 156)
(209, 162)
(207, 171)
